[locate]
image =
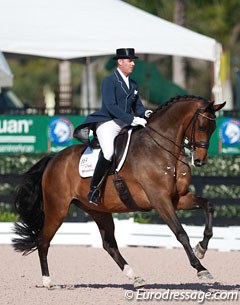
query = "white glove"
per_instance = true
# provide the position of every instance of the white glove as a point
(148, 113)
(138, 121)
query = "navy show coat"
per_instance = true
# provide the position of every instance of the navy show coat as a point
(118, 101)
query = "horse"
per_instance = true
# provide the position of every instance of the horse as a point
(156, 172)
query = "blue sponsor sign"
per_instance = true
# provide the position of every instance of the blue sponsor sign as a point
(60, 131)
(230, 135)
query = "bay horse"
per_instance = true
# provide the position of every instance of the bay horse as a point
(155, 170)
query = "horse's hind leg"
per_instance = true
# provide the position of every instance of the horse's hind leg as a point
(106, 227)
(190, 201)
(55, 211)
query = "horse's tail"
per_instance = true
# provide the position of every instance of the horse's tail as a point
(28, 204)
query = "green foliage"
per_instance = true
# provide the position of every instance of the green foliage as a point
(31, 75)
(7, 213)
(213, 18)
(8, 217)
(17, 164)
(219, 166)
(217, 19)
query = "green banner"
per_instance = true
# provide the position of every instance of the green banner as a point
(29, 134)
(226, 137)
(42, 134)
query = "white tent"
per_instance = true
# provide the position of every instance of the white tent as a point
(83, 28)
(6, 76)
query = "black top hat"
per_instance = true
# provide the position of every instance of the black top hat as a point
(125, 53)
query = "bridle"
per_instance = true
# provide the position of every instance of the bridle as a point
(191, 145)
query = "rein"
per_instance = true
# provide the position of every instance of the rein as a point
(163, 147)
(191, 145)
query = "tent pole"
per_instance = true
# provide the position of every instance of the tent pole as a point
(88, 61)
(217, 86)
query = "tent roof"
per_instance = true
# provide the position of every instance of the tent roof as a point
(80, 28)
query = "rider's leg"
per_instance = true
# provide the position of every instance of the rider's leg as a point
(99, 176)
(106, 133)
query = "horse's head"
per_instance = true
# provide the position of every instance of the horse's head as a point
(199, 131)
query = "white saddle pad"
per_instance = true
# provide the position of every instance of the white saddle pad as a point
(89, 159)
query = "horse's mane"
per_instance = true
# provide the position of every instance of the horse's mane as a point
(179, 98)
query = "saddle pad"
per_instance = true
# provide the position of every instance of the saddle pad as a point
(89, 159)
(88, 162)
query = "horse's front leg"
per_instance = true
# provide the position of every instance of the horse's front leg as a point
(190, 201)
(167, 212)
(202, 246)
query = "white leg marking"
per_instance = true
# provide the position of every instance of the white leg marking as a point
(128, 271)
(46, 281)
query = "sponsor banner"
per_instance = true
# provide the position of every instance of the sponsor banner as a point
(29, 134)
(226, 137)
(43, 134)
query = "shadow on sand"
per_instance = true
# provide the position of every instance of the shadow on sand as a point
(205, 287)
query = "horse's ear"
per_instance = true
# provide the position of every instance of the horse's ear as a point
(214, 107)
(219, 106)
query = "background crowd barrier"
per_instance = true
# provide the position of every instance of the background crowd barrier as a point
(131, 234)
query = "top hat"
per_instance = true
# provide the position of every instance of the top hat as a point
(125, 53)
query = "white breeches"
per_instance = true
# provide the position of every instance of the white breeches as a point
(106, 133)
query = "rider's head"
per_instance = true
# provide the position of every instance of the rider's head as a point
(125, 60)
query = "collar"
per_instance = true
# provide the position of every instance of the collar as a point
(125, 78)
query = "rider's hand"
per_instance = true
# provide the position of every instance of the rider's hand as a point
(148, 113)
(138, 121)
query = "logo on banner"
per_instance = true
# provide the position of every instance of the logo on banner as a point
(60, 131)
(230, 132)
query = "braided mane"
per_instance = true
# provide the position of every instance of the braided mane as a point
(179, 98)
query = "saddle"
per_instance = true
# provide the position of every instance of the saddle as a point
(120, 144)
(90, 155)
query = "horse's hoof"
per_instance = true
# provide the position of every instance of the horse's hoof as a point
(53, 287)
(138, 282)
(199, 251)
(204, 275)
(47, 283)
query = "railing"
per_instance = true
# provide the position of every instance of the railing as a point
(47, 111)
(200, 182)
(131, 234)
(79, 111)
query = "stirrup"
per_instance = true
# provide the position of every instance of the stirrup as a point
(94, 196)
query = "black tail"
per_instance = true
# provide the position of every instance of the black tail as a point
(28, 204)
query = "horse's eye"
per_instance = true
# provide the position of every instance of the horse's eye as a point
(201, 128)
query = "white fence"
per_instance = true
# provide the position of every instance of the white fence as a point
(129, 233)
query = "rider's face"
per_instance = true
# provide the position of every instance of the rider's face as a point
(126, 65)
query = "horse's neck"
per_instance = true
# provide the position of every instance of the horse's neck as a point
(168, 128)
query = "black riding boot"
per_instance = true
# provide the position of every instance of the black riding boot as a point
(99, 176)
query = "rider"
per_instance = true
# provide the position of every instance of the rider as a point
(119, 100)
